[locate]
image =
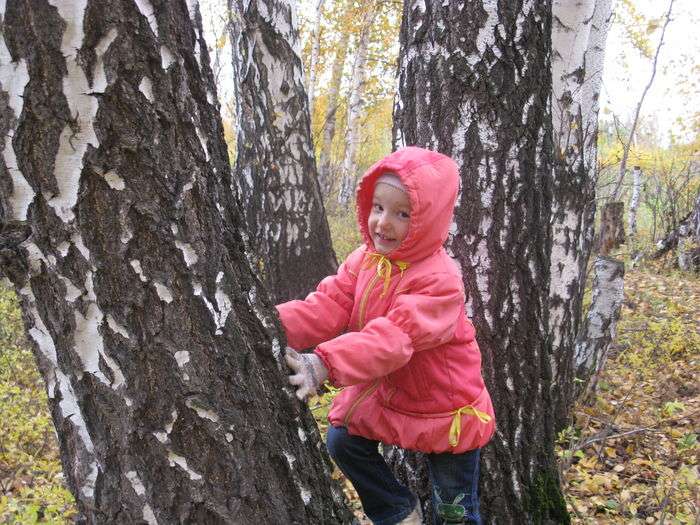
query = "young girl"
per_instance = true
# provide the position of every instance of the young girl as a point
(390, 326)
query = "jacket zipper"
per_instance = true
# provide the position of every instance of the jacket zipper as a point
(361, 322)
(363, 301)
(359, 399)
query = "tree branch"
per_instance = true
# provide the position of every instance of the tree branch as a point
(628, 145)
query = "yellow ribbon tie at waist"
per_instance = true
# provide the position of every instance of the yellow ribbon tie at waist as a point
(456, 427)
(384, 268)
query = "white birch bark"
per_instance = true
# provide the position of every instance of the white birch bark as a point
(17, 193)
(579, 31)
(463, 92)
(600, 326)
(634, 201)
(595, 58)
(275, 164)
(315, 51)
(571, 29)
(159, 351)
(329, 122)
(355, 105)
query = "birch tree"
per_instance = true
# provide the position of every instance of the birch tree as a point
(347, 22)
(689, 256)
(615, 195)
(600, 325)
(475, 83)
(634, 201)
(579, 31)
(315, 51)
(125, 244)
(275, 164)
(688, 227)
(329, 122)
(355, 105)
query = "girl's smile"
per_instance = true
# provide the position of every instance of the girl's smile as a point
(389, 218)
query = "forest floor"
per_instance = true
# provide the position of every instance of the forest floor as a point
(630, 456)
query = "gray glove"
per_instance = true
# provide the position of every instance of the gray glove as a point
(309, 372)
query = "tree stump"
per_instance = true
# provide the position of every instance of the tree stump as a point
(612, 227)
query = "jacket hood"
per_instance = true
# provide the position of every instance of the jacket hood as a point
(432, 181)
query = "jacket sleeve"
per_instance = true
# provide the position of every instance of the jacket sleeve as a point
(324, 313)
(424, 317)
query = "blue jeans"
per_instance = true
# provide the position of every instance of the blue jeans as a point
(385, 500)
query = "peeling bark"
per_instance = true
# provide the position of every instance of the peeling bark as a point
(600, 325)
(475, 83)
(275, 165)
(579, 31)
(159, 351)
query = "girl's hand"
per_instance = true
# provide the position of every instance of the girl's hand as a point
(309, 372)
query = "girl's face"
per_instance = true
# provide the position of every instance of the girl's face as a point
(389, 218)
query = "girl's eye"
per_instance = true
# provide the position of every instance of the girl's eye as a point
(404, 215)
(377, 207)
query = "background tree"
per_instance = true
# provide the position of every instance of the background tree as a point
(599, 327)
(645, 49)
(666, 194)
(315, 51)
(353, 32)
(689, 227)
(672, 183)
(331, 114)
(275, 165)
(355, 103)
(614, 213)
(475, 83)
(124, 242)
(634, 201)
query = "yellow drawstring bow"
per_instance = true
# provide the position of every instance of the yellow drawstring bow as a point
(384, 268)
(456, 427)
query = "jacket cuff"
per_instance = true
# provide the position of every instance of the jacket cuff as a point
(326, 362)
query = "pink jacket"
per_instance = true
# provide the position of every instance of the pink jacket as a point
(393, 330)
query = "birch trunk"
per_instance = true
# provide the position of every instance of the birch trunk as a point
(600, 326)
(634, 201)
(123, 239)
(689, 253)
(475, 83)
(355, 104)
(579, 31)
(315, 52)
(329, 122)
(275, 164)
(689, 226)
